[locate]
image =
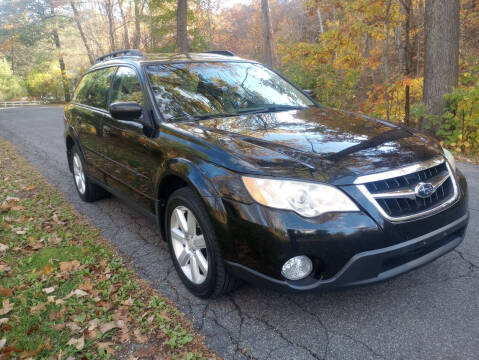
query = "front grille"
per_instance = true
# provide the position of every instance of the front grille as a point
(397, 196)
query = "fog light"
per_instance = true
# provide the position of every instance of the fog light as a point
(297, 268)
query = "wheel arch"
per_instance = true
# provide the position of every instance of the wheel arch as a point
(178, 173)
(71, 139)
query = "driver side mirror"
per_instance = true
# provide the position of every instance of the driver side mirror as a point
(310, 93)
(129, 111)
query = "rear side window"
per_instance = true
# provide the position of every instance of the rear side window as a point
(126, 87)
(93, 88)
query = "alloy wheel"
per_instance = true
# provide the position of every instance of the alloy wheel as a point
(189, 244)
(79, 174)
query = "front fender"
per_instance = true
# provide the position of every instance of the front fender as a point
(200, 177)
(187, 171)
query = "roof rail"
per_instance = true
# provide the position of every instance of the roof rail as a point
(221, 52)
(119, 53)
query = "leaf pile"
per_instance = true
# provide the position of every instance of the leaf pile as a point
(64, 292)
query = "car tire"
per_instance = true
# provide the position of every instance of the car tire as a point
(216, 280)
(87, 190)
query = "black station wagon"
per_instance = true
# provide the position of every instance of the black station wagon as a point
(250, 179)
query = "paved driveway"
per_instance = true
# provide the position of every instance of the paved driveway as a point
(431, 313)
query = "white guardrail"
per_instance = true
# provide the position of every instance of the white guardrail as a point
(12, 104)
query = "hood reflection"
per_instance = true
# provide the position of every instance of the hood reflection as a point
(317, 138)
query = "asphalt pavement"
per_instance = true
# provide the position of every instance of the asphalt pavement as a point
(430, 313)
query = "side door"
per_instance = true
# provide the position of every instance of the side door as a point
(125, 146)
(89, 112)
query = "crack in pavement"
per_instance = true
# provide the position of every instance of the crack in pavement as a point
(401, 318)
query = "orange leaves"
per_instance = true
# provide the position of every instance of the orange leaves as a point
(5, 292)
(48, 269)
(69, 266)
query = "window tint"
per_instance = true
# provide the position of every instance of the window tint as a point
(126, 87)
(93, 88)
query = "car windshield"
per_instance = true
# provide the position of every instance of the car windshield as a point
(190, 91)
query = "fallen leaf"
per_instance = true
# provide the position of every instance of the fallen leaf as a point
(49, 290)
(3, 247)
(87, 286)
(32, 329)
(106, 346)
(68, 266)
(105, 327)
(12, 199)
(3, 321)
(37, 308)
(51, 299)
(29, 188)
(128, 302)
(78, 343)
(47, 269)
(7, 307)
(59, 327)
(77, 292)
(5, 291)
(2, 343)
(5, 267)
(54, 240)
(73, 326)
(93, 324)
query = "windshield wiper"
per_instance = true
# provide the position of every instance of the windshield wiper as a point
(211, 116)
(269, 108)
(262, 109)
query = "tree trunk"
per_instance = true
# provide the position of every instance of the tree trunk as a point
(137, 37)
(441, 58)
(320, 19)
(367, 45)
(126, 35)
(407, 7)
(76, 17)
(268, 52)
(108, 5)
(66, 87)
(182, 26)
(386, 62)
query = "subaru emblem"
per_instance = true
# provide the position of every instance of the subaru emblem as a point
(424, 190)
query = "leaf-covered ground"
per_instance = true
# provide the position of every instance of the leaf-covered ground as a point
(64, 292)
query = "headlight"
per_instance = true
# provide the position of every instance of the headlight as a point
(307, 199)
(450, 158)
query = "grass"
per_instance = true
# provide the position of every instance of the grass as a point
(64, 291)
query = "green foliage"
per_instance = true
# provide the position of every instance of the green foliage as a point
(459, 125)
(307, 67)
(11, 86)
(45, 83)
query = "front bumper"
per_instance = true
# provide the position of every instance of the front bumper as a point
(347, 249)
(374, 265)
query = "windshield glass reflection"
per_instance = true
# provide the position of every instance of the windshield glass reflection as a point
(188, 91)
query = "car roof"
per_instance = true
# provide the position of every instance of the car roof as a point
(167, 58)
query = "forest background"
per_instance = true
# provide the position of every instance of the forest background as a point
(414, 62)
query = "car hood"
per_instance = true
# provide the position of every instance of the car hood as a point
(324, 143)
